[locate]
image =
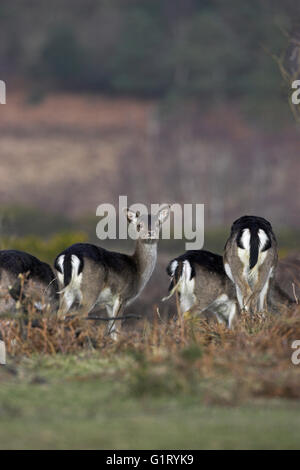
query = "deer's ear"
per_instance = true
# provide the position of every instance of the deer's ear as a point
(164, 213)
(131, 215)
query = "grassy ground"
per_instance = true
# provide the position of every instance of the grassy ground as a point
(178, 386)
(87, 402)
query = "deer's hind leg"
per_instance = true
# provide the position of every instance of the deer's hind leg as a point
(244, 294)
(262, 297)
(258, 299)
(115, 310)
(92, 288)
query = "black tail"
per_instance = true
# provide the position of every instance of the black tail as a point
(67, 269)
(254, 248)
(254, 224)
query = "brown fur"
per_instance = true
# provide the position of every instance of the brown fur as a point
(208, 290)
(287, 277)
(202, 285)
(210, 284)
(23, 288)
(249, 289)
(112, 280)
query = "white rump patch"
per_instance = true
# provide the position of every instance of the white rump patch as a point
(244, 254)
(186, 288)
(263, 239)
(75, 265)
(173, 267)
(76, 279)
(60, 262)
(60, 275)
(245, 239)
(72, 291)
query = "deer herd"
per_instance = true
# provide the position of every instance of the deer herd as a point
(248, 278)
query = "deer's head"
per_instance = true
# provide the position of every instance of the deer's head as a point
(148, 226)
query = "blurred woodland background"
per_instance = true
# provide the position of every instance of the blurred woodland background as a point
(160, 100)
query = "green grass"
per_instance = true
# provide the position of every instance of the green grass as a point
(88, 402)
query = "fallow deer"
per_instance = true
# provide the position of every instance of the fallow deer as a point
(202, 285)
(92, 276)
(23, 277)
(204, 288)
(250, 259)
(287, 277)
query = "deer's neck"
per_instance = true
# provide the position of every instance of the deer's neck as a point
(145, 256)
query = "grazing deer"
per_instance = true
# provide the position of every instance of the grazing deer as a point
(202, 285)
(39, 285)
(93, 276)
(287, 278)
(284, 287)
(204, 288)
(250, 259)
